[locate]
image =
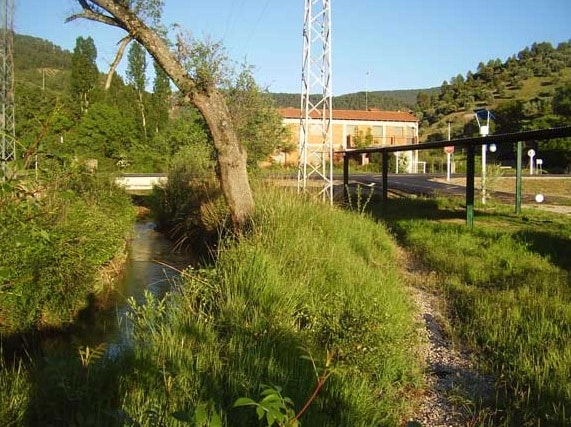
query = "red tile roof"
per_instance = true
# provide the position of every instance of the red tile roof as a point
(365, 115)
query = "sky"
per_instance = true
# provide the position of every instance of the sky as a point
(376, 45)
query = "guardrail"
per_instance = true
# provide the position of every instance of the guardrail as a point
(538, 136)
(141, 181)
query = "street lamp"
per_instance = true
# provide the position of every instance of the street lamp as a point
(483, 117)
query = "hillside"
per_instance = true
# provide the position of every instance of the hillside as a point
(520, 91)
(39, 63)
(32, 53)
(383, 100)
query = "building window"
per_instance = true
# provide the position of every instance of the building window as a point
(352, 130)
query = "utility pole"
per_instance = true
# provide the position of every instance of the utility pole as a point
(367, 91)
(315, 139)
(7, 122)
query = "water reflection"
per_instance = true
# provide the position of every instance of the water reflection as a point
(151, 266)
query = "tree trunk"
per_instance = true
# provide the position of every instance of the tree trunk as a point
(118, 56)
(231, 157)
(231, 171)
(143, 117)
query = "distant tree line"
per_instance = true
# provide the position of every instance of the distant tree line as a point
(64, 111)
(391, 100)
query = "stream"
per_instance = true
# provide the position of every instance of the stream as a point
(151, 266)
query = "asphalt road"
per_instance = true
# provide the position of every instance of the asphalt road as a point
(419, 184)
(427, 185)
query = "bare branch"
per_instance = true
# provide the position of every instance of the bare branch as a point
(93, 15)
(122, 45)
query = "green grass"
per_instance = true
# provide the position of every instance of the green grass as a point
(310, 289)
(507, 284)
(58, 231)
(309, 280)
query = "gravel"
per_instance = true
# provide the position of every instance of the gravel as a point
(454, 388)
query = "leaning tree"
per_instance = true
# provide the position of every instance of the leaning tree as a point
(201, 90)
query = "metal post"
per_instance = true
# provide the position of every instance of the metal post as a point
(470, 172)
(346, 178)
(484, 151)
(316, 156)
(518, 177)
(385, 161)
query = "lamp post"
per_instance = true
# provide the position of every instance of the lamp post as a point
(448, 150)
(485, 115)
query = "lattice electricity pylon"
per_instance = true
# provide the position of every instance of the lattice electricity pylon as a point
(315, 139)
(7, 122)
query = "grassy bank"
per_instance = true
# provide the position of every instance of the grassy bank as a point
(312, 296)
(507, 285)
(310, 281)
(57, 231)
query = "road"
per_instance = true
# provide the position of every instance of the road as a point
(419, 184)
(431, 185)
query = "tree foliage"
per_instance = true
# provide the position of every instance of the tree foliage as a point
(137, 77)
(84, 73)
(257, 122)
(496, 82)
(194, 68)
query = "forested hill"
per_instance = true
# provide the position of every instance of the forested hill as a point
(383, 100)
(527, 91)
(32, 53)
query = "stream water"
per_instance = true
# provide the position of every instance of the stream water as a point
(151, 266)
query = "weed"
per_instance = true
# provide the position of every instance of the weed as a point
(361, 202)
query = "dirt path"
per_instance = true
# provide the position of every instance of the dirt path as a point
(454, 387)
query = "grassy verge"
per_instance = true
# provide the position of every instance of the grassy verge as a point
(507, 284)
(57, 231)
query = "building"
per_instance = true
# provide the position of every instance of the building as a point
(358, 128)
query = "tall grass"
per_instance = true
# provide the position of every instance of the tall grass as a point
(508, 288)
(57, 231)
(308, 280)
(309, 286)
(15, 388)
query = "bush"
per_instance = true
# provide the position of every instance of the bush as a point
(190, 208)
(58, 231)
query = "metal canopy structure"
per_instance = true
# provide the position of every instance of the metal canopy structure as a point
(315, 139)
(7, 122)
(538, 136)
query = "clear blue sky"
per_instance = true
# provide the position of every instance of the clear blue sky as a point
(376, 45)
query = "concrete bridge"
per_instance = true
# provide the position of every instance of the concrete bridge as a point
(141, 182)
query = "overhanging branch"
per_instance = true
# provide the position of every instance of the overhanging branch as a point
(93, 15)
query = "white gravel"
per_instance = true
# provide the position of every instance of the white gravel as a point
(454, 387)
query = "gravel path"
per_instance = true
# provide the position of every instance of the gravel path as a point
(454, 388)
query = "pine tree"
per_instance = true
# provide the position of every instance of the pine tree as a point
(84, 73)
